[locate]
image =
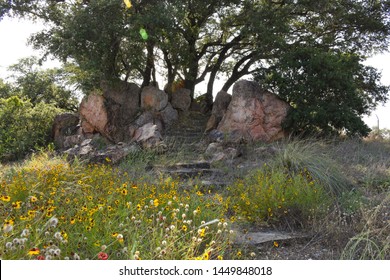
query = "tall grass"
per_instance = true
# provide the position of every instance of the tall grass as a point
(309, 156)
(372, 242)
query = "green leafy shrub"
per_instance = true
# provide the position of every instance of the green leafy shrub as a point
(24, 127)
(275, 195)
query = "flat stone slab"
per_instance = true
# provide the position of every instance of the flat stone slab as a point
(189, 172)
(198, 164)
(254, 238)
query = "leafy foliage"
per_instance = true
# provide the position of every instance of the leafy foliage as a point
(329, 91)
(24, 127)
(38, 85)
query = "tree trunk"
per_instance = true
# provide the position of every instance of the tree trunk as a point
(147, 74)
(193, 67)
(171, 71)
(236, 73)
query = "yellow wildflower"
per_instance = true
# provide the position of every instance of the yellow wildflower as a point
(5, 198)
(16, 204)
(34, 251)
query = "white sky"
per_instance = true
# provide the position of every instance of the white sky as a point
(13, 46)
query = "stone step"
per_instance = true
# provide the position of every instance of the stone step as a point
(197, 164)
(212, 184)
(184, 135)
(183, 165)
(187, 170)
(263, 236)
(186, 173)
(182, 138)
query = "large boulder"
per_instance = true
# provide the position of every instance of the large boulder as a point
(122, 104)
(65, 130)
(153, 99)
(93, 114)
(221, 103)
(181, 99)
(254, 114)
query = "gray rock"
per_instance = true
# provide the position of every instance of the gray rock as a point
(212, 149)
(181, 99)
(144, 118)
(169, 115)
(85, 150)
(216, 136)
(153, 99)
(71, 141)
(65, 130)
(254, 238)
(221, 103)
(148, 136)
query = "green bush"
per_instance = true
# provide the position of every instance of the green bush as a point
(274, 195)
(24, 127)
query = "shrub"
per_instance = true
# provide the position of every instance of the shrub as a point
(24, 127)
(274, 195)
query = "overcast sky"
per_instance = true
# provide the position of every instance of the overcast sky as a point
(13, 46)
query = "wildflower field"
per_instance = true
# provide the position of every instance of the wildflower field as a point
(56, 210)
(52, 208)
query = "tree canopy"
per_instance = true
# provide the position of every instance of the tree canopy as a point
(31, 82)
(197, 41)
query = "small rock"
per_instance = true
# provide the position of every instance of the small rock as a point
(85, 150)
(216, 136)
(212, 149)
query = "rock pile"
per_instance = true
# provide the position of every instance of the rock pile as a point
(125, 117)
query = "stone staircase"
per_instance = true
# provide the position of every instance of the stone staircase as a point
(189, 129)
(208, 177)
(187, 135)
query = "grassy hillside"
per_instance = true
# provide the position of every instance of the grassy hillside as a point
(336, 192)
